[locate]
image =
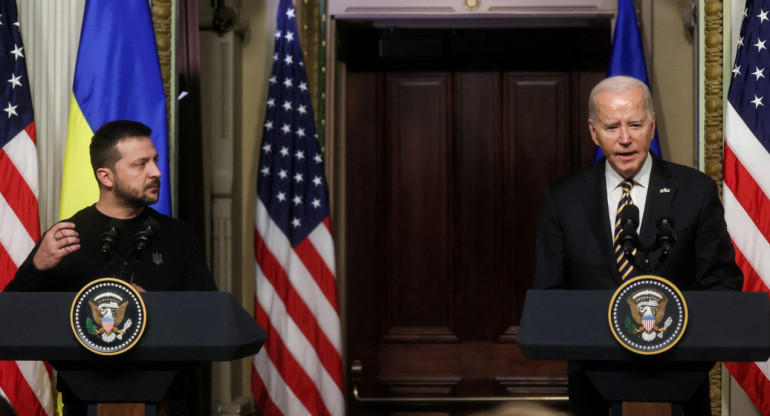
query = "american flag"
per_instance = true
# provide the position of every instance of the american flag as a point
(25, 384)
(747, 175)
(299, 369)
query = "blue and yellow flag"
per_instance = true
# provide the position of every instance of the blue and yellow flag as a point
(117, 77)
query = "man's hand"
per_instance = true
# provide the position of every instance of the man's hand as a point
(60, 240)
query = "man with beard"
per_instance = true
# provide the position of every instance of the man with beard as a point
(68, 256)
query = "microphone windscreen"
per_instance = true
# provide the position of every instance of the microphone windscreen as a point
(116, 225)
(150, 223)
(630, 213)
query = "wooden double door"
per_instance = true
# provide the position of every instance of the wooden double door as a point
(445, 170)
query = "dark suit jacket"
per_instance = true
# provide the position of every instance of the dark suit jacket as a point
(574, 239)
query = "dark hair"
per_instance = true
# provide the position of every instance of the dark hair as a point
(104, 145)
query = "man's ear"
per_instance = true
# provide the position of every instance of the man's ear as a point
(105, 177)
(592, 129)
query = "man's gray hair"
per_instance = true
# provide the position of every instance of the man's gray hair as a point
(619, 83)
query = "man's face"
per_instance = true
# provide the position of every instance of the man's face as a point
(137, 177)
(623, 129)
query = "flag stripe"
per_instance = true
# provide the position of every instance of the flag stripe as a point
(298, 276)
(17, 389)
(324, 245)
(303, 349)
(22, 153)
(7, 268)
(286, 403)
(747, 192)
(750, 152)
(293, 373)
(299, 313)
(19, 197)
(14, 237)
(746, 237)
(39, 381)
(323, 276)
(754, 383)
(78, 186)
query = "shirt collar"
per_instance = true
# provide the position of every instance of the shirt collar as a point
(613, 179)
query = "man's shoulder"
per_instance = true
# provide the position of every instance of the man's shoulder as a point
(578, 178)
(88, 218)
(683, 173)
(168, 223)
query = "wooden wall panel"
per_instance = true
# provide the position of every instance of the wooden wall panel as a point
(536, 143)
(479, 196)
(419, 285)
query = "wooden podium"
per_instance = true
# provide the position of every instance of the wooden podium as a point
(182, 328)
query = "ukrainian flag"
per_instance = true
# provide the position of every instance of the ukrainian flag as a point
(117, 77)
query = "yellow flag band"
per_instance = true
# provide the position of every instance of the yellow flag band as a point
(78, 187)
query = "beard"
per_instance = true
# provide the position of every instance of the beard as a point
(133, 197)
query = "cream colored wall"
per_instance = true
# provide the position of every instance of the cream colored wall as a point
(672, 76)
(257, 62)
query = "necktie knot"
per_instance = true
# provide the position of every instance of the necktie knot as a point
(626, 185)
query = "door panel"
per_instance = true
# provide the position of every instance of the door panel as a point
(445, 173)
(417, 145)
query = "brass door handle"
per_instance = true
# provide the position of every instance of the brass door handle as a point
(356, 370)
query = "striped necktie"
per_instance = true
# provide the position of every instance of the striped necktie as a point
(624, 266)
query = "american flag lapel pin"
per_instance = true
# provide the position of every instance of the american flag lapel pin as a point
(665, 190)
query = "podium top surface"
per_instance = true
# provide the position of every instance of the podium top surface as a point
(574, 325)
(181, 327)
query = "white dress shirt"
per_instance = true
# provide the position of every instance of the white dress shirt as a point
(638, 192)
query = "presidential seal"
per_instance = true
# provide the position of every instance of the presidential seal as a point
(108, 316)
(648, 315)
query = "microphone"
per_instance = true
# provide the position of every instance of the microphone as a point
(143, 239)
(629, 220)
(665, 237)
(110, 238)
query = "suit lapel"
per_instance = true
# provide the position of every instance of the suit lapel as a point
(594, 201)
(660, 194)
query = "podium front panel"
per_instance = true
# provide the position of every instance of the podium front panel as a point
(574, 325)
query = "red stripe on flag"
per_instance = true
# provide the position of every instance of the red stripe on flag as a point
(756, 204)
(292, 373)
(259, 391)
(7, 268)
(318, 269)
(19, 196)
(18, 390)
(747, 192)
(752, 282)
(754, 383)
(747, 374)
(298, 310)
(31, 132)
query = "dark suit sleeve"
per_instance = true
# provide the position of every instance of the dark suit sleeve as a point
(715, 256)
(550, 247)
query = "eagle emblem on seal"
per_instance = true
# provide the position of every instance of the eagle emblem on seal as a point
(648, 308)
(108, 311)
